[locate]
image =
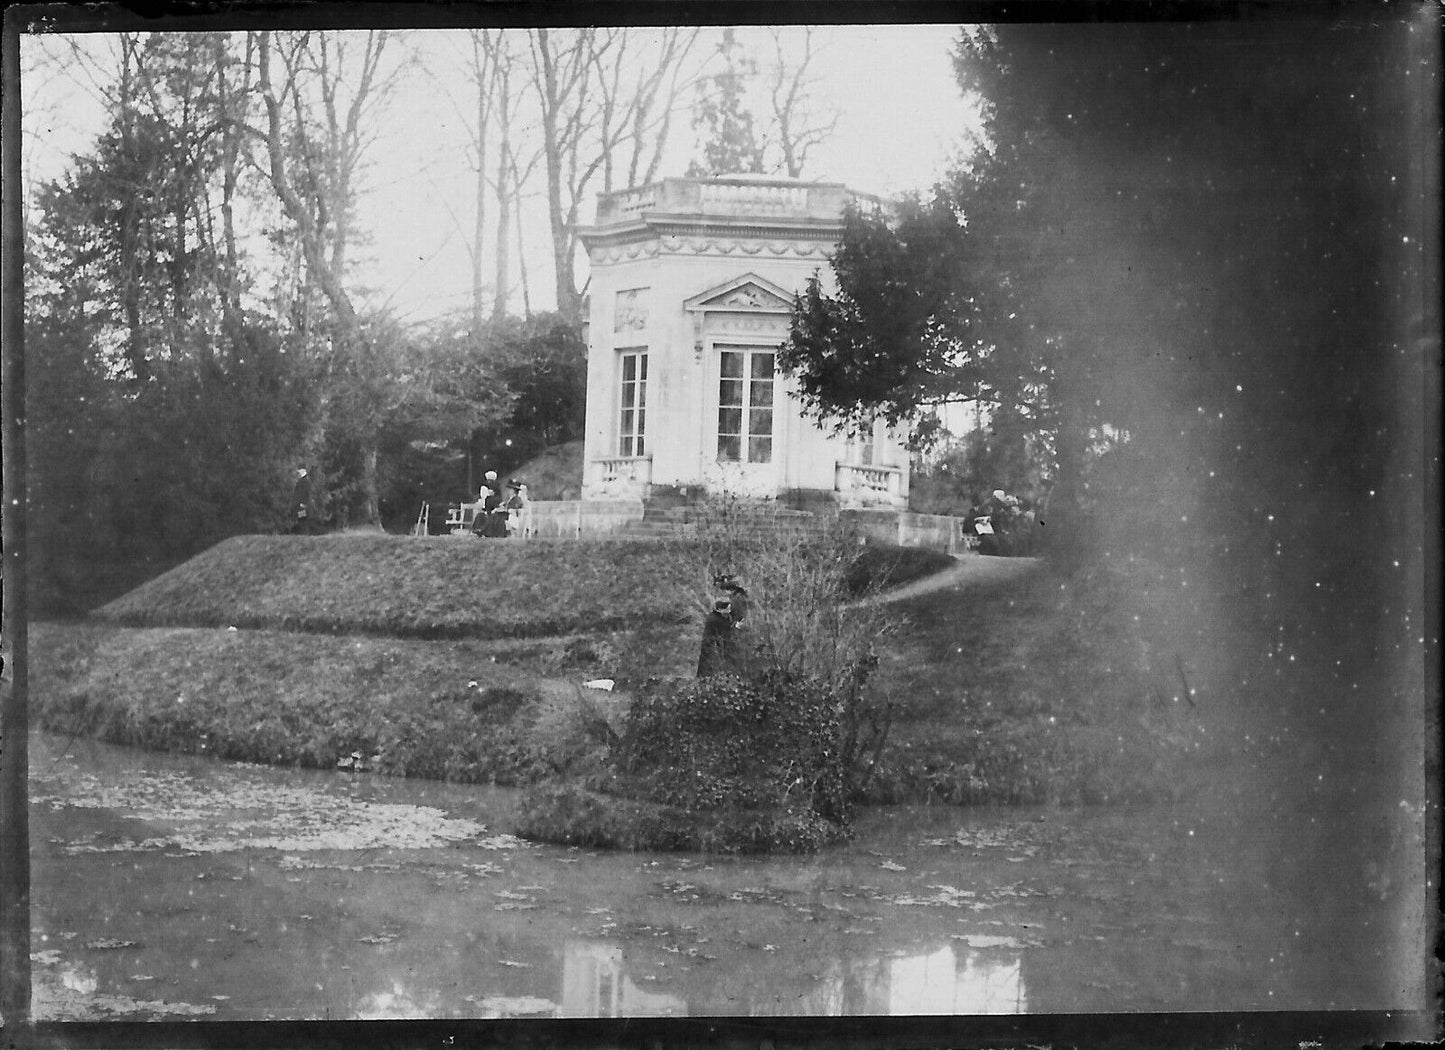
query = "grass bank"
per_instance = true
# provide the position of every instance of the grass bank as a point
(444, 586)
(443, 710)
(1038, 689)
(436, 587)
(1047, 688)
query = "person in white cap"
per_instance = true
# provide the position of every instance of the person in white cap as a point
(492, 521)
(301, 520)
(489, 498)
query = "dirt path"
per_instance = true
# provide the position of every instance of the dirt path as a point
(967, 571)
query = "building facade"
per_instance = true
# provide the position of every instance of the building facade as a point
(692, 283)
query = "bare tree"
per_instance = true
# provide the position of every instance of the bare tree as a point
(640, 78)
(233, 101)
(316, 134)
(599, 92)
(797, 122)
(517, 158)
(486, 45)
(562, 63)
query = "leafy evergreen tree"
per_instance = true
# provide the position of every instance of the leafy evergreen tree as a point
(164, 417)
(543, 363)
(730, 145)
(1151, 253)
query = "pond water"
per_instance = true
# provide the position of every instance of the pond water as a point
(172, 886)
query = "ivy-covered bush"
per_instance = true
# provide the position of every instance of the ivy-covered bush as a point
(720, 742)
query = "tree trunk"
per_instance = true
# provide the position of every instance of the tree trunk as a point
(501, 289)
(552, 152)
(370, 505)
(522, 263)
(567, 298)
(329, 274)
(479, 225)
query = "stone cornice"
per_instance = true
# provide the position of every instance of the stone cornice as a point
(652, 226)
(753, 247)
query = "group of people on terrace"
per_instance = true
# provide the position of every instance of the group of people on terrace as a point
(497, 513)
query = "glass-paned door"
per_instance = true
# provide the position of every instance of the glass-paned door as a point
(745, 406)
(632, 424)
(861, 447)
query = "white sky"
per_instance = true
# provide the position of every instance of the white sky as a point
(901, 120)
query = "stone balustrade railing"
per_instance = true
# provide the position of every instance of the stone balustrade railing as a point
(871, 483)
(736, 196)
(627, 470)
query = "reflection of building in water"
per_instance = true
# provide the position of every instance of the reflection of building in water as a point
(941, 982)
(595, 984)
(944, 983)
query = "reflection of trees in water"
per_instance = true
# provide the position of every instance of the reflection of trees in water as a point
(71, 991)
(397, 1003)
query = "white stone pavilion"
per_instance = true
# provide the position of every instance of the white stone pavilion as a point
(691, 288)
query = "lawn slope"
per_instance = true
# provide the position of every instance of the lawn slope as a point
(447, 657)
(449, 586)
(408, 587)
(443, 710)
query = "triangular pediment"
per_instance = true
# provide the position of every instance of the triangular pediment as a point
(748, 292)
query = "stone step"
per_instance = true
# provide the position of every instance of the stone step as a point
(747, 515)
(757, 529)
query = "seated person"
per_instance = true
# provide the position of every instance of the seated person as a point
(516, 508)
(492, 517)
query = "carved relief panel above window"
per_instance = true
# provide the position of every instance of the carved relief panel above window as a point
(630, 311)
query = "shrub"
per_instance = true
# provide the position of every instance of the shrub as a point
(713, 743)
(765, 754)
(805, 629)
(574, 728)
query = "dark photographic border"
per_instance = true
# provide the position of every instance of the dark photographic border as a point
(1302, 1029)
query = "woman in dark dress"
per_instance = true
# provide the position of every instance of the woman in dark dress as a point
(722, 644)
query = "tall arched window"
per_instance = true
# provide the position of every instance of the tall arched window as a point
(745, 405)
(632, 423)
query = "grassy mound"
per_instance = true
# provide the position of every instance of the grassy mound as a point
(1049, 689)
(405, 587)
(441, 710)
(446, 587)
(554, 473)
(1043, 688)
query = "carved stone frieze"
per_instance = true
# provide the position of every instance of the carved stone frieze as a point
(625, 252)
(741, 246)
(725, 246)
(740, 322)
(630, 314)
